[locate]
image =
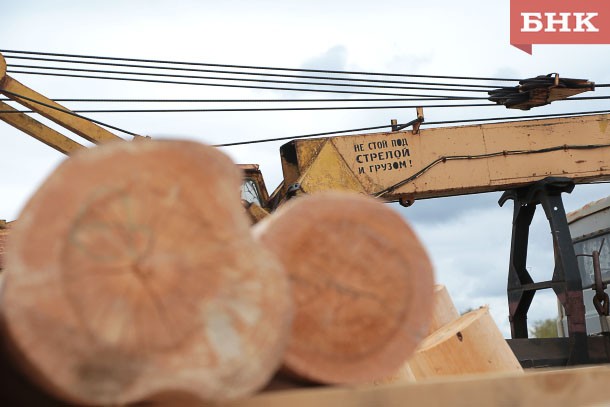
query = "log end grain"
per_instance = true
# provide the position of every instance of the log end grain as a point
(469, 345)
(132, 272)
(362, 285)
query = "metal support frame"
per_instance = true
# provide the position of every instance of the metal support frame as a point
(566, 281)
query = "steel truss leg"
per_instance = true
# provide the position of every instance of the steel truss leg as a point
(566, 282)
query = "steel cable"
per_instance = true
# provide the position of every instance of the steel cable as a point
(66, 111)
(249, 73)
(102, 71)
(256, 67)
(237, 143)
(261, 109)
(226, 85)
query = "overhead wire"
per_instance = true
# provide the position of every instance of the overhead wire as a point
(256, 67)
(245, 72)
(72, 113)
(260, 109)
(258, 100)
(267, 140)
(402, 97)
(103, 71)
(226, 85)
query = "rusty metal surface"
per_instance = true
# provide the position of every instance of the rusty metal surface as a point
(589, 209)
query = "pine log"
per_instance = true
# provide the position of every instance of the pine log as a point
(471, 344)
(132, 272)
(362, 285)
(403, 375)
(443, 310)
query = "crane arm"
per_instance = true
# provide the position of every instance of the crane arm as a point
(39, 131)
(61, 115)
(403, 166)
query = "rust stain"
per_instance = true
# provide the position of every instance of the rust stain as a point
(603, 124)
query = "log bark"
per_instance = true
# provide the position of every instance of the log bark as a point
(471, 344)
(132, 272)
(362, 285)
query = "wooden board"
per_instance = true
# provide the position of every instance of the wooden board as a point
(132, 272)
(568, 387)
(362, 284)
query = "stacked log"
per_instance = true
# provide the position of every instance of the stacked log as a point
(443, 312)
(362, 286)
(471, 344)
(132, 273)
(443, 309)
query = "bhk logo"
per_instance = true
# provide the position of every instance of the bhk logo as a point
(559, 22)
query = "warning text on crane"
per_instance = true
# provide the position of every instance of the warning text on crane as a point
(382, 155)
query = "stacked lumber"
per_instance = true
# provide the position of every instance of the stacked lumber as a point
(133, 275)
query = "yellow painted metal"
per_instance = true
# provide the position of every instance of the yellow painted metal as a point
(2, 68)
(39, 131)
(454, 160)
(83, 127)
(330, 171)
(255, 212)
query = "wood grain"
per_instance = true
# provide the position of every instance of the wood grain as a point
(471, 344)
(362, 285)
(132, 272)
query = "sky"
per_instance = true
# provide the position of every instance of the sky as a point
(468, 237)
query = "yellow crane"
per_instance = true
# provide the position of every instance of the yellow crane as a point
(534, 161)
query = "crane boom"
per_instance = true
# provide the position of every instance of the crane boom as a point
(61, 115)
(403, 166)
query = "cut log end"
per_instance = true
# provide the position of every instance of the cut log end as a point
(362, 285)
(132, 272)
(471, 344)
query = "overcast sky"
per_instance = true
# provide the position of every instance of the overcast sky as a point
(468, 237)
